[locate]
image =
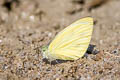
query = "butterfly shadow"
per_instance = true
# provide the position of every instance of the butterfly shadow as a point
(57, 61)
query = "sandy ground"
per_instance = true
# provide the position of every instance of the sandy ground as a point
(26, 25)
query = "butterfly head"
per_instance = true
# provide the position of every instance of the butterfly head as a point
(45, 51)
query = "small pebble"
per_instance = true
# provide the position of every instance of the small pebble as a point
(49, 34)
(116, 51)
(32, 18)
(0, 41)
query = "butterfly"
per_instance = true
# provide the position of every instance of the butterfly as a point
(72, 42)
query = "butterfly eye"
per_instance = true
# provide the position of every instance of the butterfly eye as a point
(44, 49)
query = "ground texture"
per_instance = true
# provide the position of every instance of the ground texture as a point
(26, 25)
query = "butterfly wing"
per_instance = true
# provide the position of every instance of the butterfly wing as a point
(72, 42)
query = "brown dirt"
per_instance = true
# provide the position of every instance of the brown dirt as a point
(26, 25)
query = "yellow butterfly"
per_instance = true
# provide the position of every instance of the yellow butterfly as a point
(72, 42)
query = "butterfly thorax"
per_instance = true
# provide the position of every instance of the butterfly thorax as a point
(46, 53)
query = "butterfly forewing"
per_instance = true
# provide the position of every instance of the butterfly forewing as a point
(73, 41)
